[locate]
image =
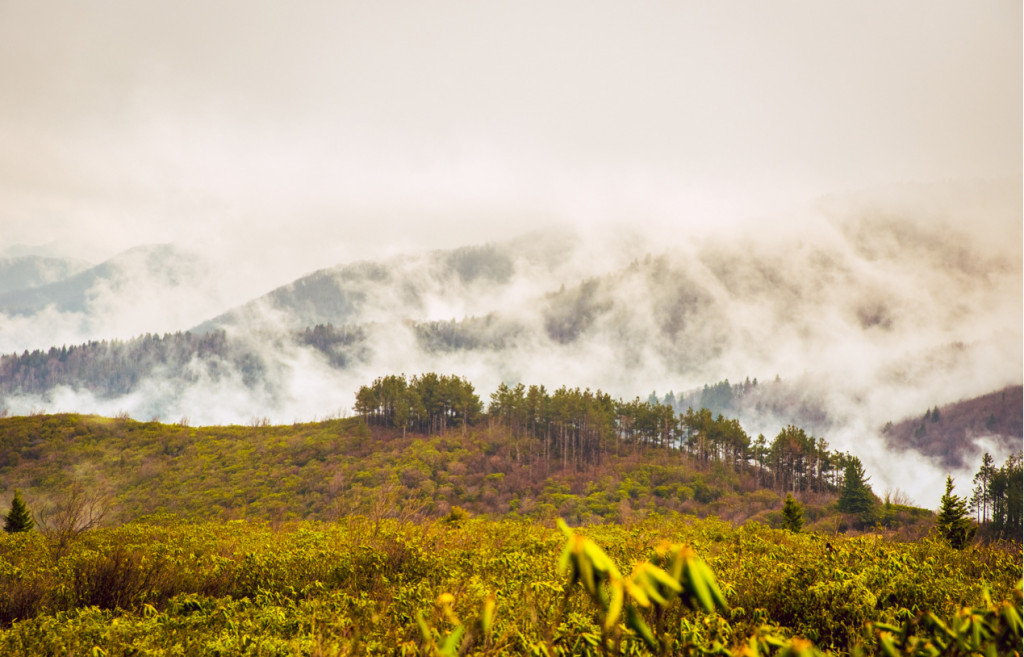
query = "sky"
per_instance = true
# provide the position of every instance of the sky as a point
(283, 138)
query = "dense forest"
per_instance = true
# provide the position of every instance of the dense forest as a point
(111, 368)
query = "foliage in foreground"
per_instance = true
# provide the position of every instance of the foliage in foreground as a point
(485, 587)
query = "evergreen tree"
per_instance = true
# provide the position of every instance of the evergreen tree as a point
(1007, 494)
(856, 497)
(18, 519)
(982, 498)
(792, 514)
(953, 522)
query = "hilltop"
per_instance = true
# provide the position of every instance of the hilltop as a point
(330, 469)
(951, 432)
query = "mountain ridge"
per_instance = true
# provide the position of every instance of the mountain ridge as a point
(20, 273)
(162, 263)
(993, 420)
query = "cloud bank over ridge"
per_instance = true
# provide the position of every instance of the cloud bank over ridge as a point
(880, 310)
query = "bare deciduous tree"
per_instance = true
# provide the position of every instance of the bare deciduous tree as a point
(75, 511)
(898, 497)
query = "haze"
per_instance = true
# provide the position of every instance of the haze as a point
(307, 134)
(274, 141)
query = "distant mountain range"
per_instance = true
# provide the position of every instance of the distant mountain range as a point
(32, 284)
(870, 317)
(32, 271)
(398, 288)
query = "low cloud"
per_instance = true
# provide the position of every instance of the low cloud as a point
(878, 311)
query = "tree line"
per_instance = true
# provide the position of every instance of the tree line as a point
(997, 496)
(573, 429)
(429, 403)
(111, 368)
(116, 367)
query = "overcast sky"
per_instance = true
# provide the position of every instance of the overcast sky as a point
(324, 129)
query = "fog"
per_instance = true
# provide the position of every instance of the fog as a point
(833, 189)
(309, 135)
(869, 307)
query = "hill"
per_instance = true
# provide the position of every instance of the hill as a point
(325, 470)
(412, 287)
(119, 369)
(951, 433)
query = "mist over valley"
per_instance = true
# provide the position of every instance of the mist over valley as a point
(871, 313)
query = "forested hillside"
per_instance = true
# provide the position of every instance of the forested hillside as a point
(397, 289)
(423, 446)
(329, 469)
(944, 430)
(115, 367)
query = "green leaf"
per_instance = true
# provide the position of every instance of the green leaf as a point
(636, 622)
(662, 577)
(451, 643)
(428, 636)
(565, 558)
(887, 645)
(697, 586)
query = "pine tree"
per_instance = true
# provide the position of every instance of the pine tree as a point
(982, 498)
(792, 514)
(856, 497)
(18, 519)
(953, 522)
(1007, 493)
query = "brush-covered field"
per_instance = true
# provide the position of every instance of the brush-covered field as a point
(459, 585)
